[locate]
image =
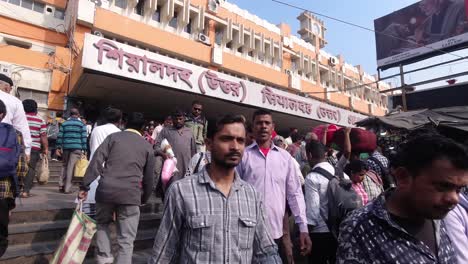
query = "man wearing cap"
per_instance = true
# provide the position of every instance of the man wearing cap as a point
(15, 112)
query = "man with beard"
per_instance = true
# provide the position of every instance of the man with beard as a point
(403, 224)
(214, 216)
(182, 142)
(271, 170)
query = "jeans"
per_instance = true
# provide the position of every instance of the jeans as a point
(70, 157)
(28, 181)
(128, 217)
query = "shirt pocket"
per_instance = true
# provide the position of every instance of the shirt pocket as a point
(202, 232)
(246, 232)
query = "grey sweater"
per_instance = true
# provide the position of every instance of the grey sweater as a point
(125, 162)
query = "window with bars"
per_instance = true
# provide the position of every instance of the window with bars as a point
(37, 6)
(40, 97)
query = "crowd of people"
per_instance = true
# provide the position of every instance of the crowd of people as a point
(241, 193)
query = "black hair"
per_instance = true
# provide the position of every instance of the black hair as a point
(296, 136)
(112, 115)
(261, 112)
(6, 79)
(136, 120)
(177, 112)
(196, 102)
(222, 121)
(316, 149)
(355, 166)
(74, 112)
(30, 106)
(248, 128)
(3, 109)
(420, 152)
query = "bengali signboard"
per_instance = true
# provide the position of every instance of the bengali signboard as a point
(104, 55)
(419, 30)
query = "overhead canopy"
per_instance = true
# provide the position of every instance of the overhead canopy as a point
(450, 117)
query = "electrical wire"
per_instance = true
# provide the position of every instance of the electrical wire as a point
(361, 27)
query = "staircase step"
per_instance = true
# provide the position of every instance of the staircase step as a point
(42, 252)
(29, 233)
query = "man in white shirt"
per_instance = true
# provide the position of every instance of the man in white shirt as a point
(316, 186)
(112, 118)
(15, 112)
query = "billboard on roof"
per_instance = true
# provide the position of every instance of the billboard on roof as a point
(420, 30)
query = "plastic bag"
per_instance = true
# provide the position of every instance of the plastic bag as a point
(42, 170)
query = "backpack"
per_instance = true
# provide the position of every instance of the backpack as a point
(53, 130)
(342, 199)
(9, 150)
(387, 179)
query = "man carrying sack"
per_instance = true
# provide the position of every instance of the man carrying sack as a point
(126, 183)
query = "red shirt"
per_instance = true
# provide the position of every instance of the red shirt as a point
(37, 127)
(265, 151)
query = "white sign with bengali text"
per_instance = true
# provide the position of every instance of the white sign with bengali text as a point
(115, 58)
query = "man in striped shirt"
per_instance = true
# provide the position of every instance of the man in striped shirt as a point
(39, 145)
(71, 144)
(214, 216)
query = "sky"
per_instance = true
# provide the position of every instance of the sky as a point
(355, 44)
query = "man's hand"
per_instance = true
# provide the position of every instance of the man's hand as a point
(58, 152)
(305, 243)
(347, 130)
(27, 158)
(45, 152)
(82, 195)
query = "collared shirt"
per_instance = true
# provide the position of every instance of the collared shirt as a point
(17, 118)
(374, 166)
(274, 177)
(316, 186)
(201, 225)
(369, 235)
(37, 127)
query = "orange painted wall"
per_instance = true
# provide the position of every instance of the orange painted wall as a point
(239, 65)
(315, 90)
(361, 106)
(340, 99)
(28, 31)
(24, 57)
(379, 111)
(58, 3)
(138, 32)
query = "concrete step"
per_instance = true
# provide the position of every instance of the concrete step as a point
(41, 253)
(34, 232)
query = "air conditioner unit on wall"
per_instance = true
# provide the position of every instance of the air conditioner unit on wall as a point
(204, 39)
(213, 5)
(332, 61)
(5, 69)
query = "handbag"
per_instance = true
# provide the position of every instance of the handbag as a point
(76, 242)
(42, 170)
(80, 168)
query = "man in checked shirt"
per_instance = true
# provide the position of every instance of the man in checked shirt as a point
(214, 216)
